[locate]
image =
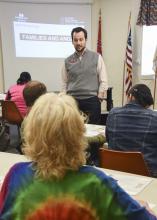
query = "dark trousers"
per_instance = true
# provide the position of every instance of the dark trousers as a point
(92, 108)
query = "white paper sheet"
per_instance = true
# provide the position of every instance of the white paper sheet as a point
(94, 130)
(131, 184)
(151, 205)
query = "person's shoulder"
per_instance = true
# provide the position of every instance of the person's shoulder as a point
(12, 86)
(153, 115)
(16, 87)
(21, 166)
(124, 200)
(151, 111)
(93, 52)
(17, 170)
(99, 173)
(116, 110)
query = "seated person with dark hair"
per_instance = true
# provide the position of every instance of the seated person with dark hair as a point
(133, 127)
(15, 92)
(32, 91)
(55, 143)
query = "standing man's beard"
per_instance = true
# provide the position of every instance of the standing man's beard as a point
(80, 51)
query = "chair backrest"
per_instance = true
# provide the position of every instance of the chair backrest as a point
(11, 113)
(131, 162)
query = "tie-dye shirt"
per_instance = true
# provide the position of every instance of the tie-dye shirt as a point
(89, 184)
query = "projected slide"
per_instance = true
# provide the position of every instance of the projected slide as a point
(36, 38)
(43, 40)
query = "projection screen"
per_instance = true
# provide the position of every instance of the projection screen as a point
(36, 38)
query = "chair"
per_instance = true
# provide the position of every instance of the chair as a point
(131, 162)
(11, 115)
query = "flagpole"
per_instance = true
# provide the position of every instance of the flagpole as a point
(155, 71)
(125, 61)
(123, 84)
(155, 88)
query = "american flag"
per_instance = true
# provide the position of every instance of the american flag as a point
(128, 77)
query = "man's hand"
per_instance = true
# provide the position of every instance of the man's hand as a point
(102, 95)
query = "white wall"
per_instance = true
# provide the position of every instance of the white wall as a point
(115, 15)
(1, 67)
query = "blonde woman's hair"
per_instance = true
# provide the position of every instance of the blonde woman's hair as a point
(54, 136)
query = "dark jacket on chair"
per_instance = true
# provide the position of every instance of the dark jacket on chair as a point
(134, 128)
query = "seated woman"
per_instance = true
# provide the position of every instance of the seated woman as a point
(133, 127)
(15, 92)
(55, 143)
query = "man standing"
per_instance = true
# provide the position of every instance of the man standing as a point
(84, 76)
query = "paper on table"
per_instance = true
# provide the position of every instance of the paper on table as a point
(151, 205)
(94, 130)
(131, 184)
(91, 133)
